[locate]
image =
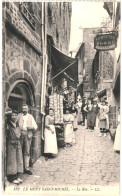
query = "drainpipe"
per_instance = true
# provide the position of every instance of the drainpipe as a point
(4, 101)
(113, 15)
(44, 68)
(45, 49)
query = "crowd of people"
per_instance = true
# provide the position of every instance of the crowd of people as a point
(85, 112)
(20, 129)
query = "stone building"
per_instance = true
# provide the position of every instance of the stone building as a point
(85, 56)
(29, 29)
(59, 24)
(91, 63)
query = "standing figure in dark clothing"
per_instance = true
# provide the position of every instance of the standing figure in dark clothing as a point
(84, 113)
(88, 109)
(95, 111)
(14, 150)
(92, 110)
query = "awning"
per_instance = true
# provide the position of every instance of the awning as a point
(63, 64)
(101, 93)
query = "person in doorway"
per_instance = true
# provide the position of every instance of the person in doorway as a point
(14, 150)
(117, 136)
(68, 128)
(103, 118)
(79, 115)
(28, 126)
(74, 113)
(50, 139)
(84, 113)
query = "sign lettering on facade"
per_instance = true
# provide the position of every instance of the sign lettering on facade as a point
(105, 41)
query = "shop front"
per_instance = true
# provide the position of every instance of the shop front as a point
(63, 73)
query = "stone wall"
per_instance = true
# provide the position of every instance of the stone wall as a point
(112, 117)
(108, 65)
(59, 24)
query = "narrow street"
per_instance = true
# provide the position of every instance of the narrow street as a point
(91, 161)
(61, 66)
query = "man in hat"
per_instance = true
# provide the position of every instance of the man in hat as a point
(27, 125)
(14, 150)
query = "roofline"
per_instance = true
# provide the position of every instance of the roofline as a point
(79, 49)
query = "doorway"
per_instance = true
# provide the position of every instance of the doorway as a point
(19, 95)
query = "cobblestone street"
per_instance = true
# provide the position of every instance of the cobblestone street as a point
(91, 161)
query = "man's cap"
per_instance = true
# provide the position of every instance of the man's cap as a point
(14, 111)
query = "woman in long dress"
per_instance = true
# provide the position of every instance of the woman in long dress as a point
(103, 118)
(117, 136)
(50, 141)
(74, 113)
(79, 115)
(68, 128)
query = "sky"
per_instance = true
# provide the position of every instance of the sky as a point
(85, 14)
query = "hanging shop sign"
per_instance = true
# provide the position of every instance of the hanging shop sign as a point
(105, 41)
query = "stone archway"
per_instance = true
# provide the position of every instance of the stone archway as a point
(20, 92)
(24, 82)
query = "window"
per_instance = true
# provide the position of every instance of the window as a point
(28, 12)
